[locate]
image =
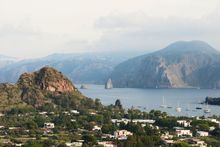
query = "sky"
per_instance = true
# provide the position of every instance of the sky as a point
(36, 28)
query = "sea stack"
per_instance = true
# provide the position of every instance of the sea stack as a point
(84, 86)
(108, 84)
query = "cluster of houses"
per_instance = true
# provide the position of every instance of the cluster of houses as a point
(183, 133)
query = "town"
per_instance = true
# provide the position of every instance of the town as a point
(107, 126)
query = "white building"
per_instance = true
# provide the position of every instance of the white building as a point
(74, 144)
(74, 111)
(125, 120)
(202, 133)
(211, 128)
(213, 120)
(122, 134)
(18, 144)
(182, 132)
(49, 125)
(166, 136)
(96, 128)
(43, 113)
(184, 123)
(104, 136)
(1, 127)
(106, 143)
(149, 121)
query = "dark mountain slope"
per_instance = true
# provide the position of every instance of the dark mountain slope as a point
(179, 65)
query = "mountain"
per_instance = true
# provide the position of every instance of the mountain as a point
(46, 86)
(183, 64)
(5, 60)
(83, 68)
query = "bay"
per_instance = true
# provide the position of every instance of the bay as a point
(149, 99)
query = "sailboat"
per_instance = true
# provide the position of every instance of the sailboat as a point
(178, 108)
(188, 108)
(163, 104)
(207, 109)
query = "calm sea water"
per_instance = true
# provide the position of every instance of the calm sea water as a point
(148, 99)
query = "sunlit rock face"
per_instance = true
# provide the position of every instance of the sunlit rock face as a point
(47, 79)
(37, 88)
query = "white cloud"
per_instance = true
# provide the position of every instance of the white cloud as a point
(31, 28)
(139, 31)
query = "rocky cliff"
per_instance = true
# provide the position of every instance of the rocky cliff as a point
(37, 88)
(179, 65)
(47, 79)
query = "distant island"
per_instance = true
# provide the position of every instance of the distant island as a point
(182, 64)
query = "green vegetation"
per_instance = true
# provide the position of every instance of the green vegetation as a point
(44, 109)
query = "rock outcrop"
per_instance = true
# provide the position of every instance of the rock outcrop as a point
(47, 79)
(212, 101)
(37, 88)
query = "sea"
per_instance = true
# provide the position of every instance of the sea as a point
(189, 100)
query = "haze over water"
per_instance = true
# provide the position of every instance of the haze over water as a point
(148, 99)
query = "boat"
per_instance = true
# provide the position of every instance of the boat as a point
(199, 108)
(178, 108)
(207, 109)
(108, 84)
(188, 108)
(163, 104)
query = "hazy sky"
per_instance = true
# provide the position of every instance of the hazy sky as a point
(34, 28)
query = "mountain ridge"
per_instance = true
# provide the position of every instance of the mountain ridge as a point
(179, 65)
(82, 68)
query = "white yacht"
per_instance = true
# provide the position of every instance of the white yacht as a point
(188, 108)
(178, 108)
(163, 104)
(207, 109)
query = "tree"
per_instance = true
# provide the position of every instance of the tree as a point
(89, 139)
(98, 104)
(181, 144)
(31, 125)
(33, 143)
(108, 129)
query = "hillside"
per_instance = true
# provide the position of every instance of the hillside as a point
(46, 86)
(179, 65)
